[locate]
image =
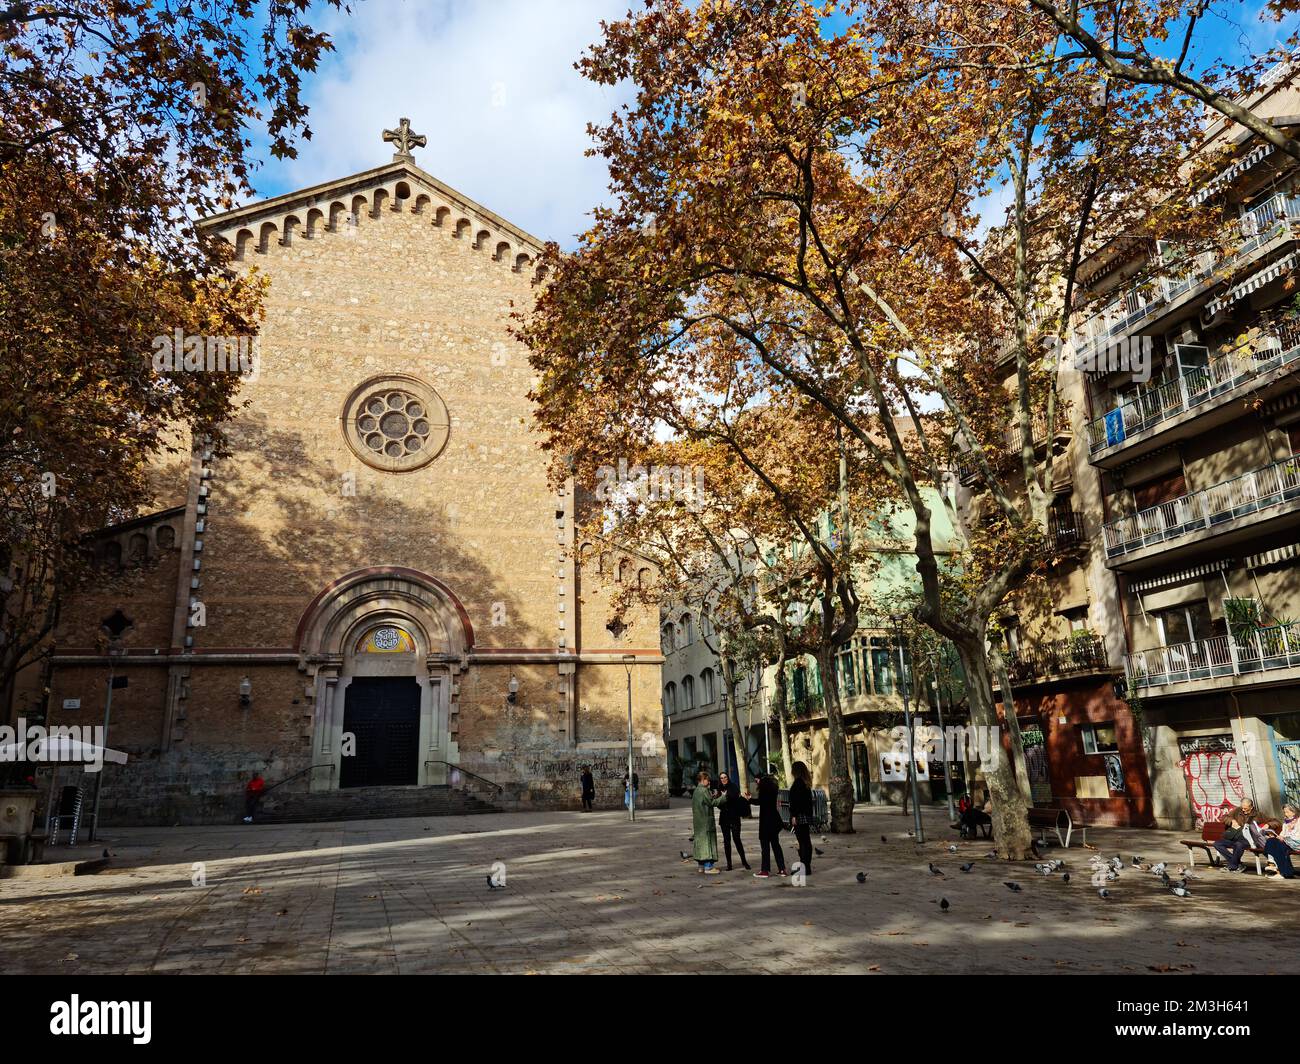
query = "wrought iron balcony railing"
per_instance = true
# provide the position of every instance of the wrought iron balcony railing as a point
(1275, 485)
(1263, 650)
(1065, 531)
(1225, 374)
(1127, 313)
(1064, 657)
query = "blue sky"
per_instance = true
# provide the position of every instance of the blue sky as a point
(492, 85)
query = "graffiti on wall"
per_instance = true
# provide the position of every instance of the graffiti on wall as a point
(1213, 776)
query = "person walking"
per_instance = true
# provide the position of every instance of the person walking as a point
(588, 789)
(628, 798)
(801, 813)
(770, 826)
(704, 833)
(253, 792)
(734, 807)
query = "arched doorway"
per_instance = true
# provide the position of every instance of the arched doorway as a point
(384, 645)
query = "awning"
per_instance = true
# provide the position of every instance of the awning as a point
(1180, 577)
(1246, 162)
(1273, 557)
(1252, 283)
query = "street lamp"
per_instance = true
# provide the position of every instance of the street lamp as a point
(898, 618)
(628, 661)
(947, 767)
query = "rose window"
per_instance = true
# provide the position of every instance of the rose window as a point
(396, 423)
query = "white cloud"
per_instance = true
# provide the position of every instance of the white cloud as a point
(491, 83)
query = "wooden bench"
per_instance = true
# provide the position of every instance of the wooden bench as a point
(1211, 833)
(1058, 820)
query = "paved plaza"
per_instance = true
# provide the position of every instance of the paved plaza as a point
(591, 893)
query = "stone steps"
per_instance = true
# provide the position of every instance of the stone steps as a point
(370, 803)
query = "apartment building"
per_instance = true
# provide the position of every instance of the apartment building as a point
(1063, 639)
(1197, 463)
(697, 721)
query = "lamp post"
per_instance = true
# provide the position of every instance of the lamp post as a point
(628, 661)
(943, 732)
(911, 735)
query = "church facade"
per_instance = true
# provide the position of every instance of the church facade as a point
(372, 585)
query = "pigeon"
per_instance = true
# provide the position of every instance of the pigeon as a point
(494, 885)
(1104, 893)
(952, 849)
(935, 871)
(819, 853)
(822, 840)
(106, 853)
(1159, 869)
(1013, 887)
(912, 833)
(685, 856)
(1116, 863)
(967, 866)
(943, 904)
(884, 838)
(1182, 892)
(862, 877)
(1164, 880)
(1043, 870)
(1137, 862)
(1066, 878)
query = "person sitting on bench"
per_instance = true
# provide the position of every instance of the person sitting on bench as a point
(1233, 843)
(973, 818)
(1282, 841)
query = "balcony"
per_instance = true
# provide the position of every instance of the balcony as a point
(1080, 656)
(1009, 454)
(1222, 512)
(1221, 658)
(1138, 306)
(1133, 427)
(1065, 532)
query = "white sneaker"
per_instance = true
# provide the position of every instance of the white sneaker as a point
(248, 820)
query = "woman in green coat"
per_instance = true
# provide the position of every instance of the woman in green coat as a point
(703, 802)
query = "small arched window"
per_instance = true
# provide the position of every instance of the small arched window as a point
(670, 697)
(707, 693)
(688, 630)
(688, 692)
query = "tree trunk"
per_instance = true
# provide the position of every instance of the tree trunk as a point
(1010, 815)
(841, 785)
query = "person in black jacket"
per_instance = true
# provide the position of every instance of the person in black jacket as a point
(770, 826)
(729, 818)
(801, 813)
(588, 788)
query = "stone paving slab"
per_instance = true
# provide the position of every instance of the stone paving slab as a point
(591, 893)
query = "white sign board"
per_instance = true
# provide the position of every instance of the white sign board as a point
(893, 767)
(72, 703)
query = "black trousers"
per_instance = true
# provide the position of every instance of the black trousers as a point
(587, 796)
(731, 830)
(771, 841)
(803, 833)
(251, 802)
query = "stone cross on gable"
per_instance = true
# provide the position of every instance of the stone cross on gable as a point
(405, 140)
